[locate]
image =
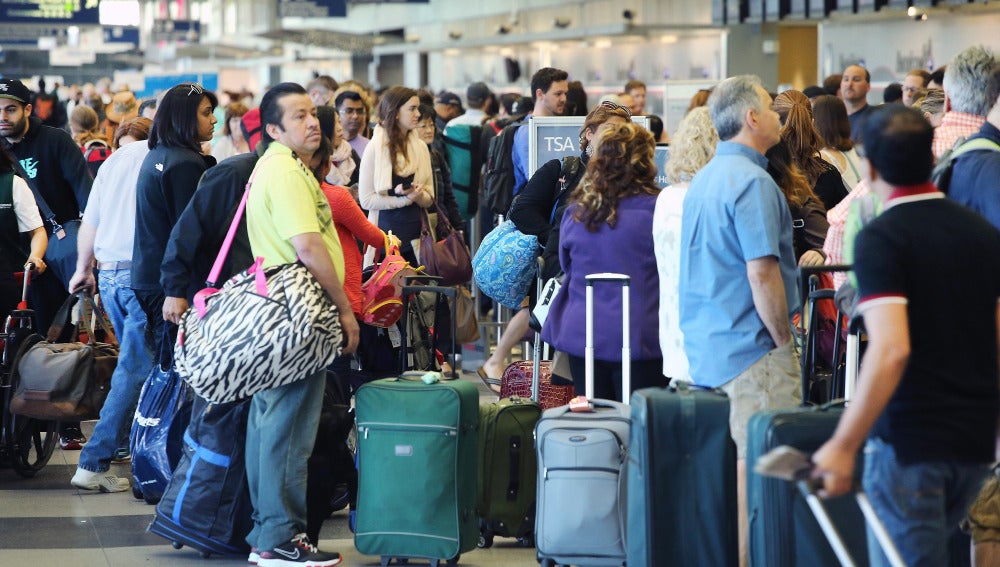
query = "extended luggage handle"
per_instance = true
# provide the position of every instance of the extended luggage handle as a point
(789, 464)
(624, 280)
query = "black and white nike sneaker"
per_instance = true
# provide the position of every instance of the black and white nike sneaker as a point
(298, 552)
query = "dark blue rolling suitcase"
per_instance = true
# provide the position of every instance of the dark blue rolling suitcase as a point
(783, 531)
(207, 504)
(681, 478)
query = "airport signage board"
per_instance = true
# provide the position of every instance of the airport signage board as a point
(120, 34)
(554, 137)
(312, 8)
(176, 31)
(68, 12)
(660, 156)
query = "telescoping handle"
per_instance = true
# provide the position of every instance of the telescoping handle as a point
(29, 269)
(808, 488)
(624, 280)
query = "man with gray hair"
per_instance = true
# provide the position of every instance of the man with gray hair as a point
(737, 280)
(966, 104)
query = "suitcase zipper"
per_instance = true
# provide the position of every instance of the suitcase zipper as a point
(447, 430)
(545, 471)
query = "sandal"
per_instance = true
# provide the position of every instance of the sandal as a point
(492, 383)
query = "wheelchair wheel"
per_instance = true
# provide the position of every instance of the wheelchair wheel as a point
(34, 442)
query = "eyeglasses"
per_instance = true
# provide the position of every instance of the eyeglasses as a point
(349, 111)
(425, 126)
(615, 106)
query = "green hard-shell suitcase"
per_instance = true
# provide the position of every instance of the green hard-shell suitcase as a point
(507, 470)
(417, 450)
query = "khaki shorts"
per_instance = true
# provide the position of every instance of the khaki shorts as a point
(773, 382)
(983, 521)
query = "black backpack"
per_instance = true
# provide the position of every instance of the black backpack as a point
(498, 176)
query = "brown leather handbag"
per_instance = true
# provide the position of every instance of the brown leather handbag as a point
(64, 381)
(447, 256)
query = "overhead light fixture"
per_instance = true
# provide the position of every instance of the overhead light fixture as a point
(561, 23)
(503, 29)
(668, 39)
(629, 15)
(602, 43)
(455, 34)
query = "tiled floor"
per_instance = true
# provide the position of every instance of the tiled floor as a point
(45, 522)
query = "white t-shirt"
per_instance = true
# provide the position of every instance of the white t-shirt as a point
(25, 208)
(667, 248)
(111, 206)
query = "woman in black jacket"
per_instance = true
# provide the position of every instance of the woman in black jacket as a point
(167, 180)
(538, 209)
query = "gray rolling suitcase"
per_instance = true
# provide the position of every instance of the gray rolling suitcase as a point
(581, 466)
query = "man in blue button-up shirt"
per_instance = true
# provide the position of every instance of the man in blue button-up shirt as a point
(738, 268)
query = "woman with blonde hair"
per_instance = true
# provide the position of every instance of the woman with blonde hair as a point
(693, 147)
(396, 180)
(804, 143)
(608, 228)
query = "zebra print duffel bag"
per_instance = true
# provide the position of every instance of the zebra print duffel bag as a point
(266, 327)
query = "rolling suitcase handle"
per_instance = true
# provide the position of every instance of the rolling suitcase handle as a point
(626, 339)
(808, 489)
(536, 364)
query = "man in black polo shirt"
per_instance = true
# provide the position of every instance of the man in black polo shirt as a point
(927, 400)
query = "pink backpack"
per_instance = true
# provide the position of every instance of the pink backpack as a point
(383, 291)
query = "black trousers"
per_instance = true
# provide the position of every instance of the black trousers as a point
(608, 376)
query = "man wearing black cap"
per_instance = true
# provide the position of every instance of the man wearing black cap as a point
(447, 105)
(52, 164)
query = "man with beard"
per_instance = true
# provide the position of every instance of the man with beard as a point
(549, 87)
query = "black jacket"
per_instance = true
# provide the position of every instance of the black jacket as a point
(54, 166)
(197, 237)
(167, 181)
(538, 209)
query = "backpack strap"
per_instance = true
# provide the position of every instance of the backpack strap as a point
(974, 144)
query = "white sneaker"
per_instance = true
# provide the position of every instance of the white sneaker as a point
(105, 481)
(254, 557)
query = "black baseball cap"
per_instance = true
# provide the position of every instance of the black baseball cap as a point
(446, 97)
(15, 90)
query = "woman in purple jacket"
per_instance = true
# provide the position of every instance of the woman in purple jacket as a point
(608, 227)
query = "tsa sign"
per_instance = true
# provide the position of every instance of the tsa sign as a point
(555, 137)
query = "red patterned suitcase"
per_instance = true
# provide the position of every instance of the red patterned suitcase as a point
(516, 381)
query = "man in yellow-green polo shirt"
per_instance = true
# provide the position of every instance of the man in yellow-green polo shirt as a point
(288, 218)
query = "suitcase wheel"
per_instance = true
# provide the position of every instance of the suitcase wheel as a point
(546, 562)
(485, 540)
(386, 560)
(205, 554)
(136, 492)
(526, 541)
(177, 544)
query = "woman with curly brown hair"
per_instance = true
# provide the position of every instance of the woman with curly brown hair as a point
(804, 143)
(608, 227)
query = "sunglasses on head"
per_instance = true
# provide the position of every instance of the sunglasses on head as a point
(194, 88)
(615, 106)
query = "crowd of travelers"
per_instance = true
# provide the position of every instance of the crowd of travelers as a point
(760, 184)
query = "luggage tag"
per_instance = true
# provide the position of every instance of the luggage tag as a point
(580, 404)
(394, 336)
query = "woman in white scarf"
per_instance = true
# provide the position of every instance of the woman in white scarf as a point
(342, 160)
(396, 179)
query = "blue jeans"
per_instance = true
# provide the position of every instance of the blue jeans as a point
(134, 363)
(281, 431)
(921, 504)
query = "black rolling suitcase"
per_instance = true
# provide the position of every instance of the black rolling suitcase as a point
(207, 504)
(681, 479)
